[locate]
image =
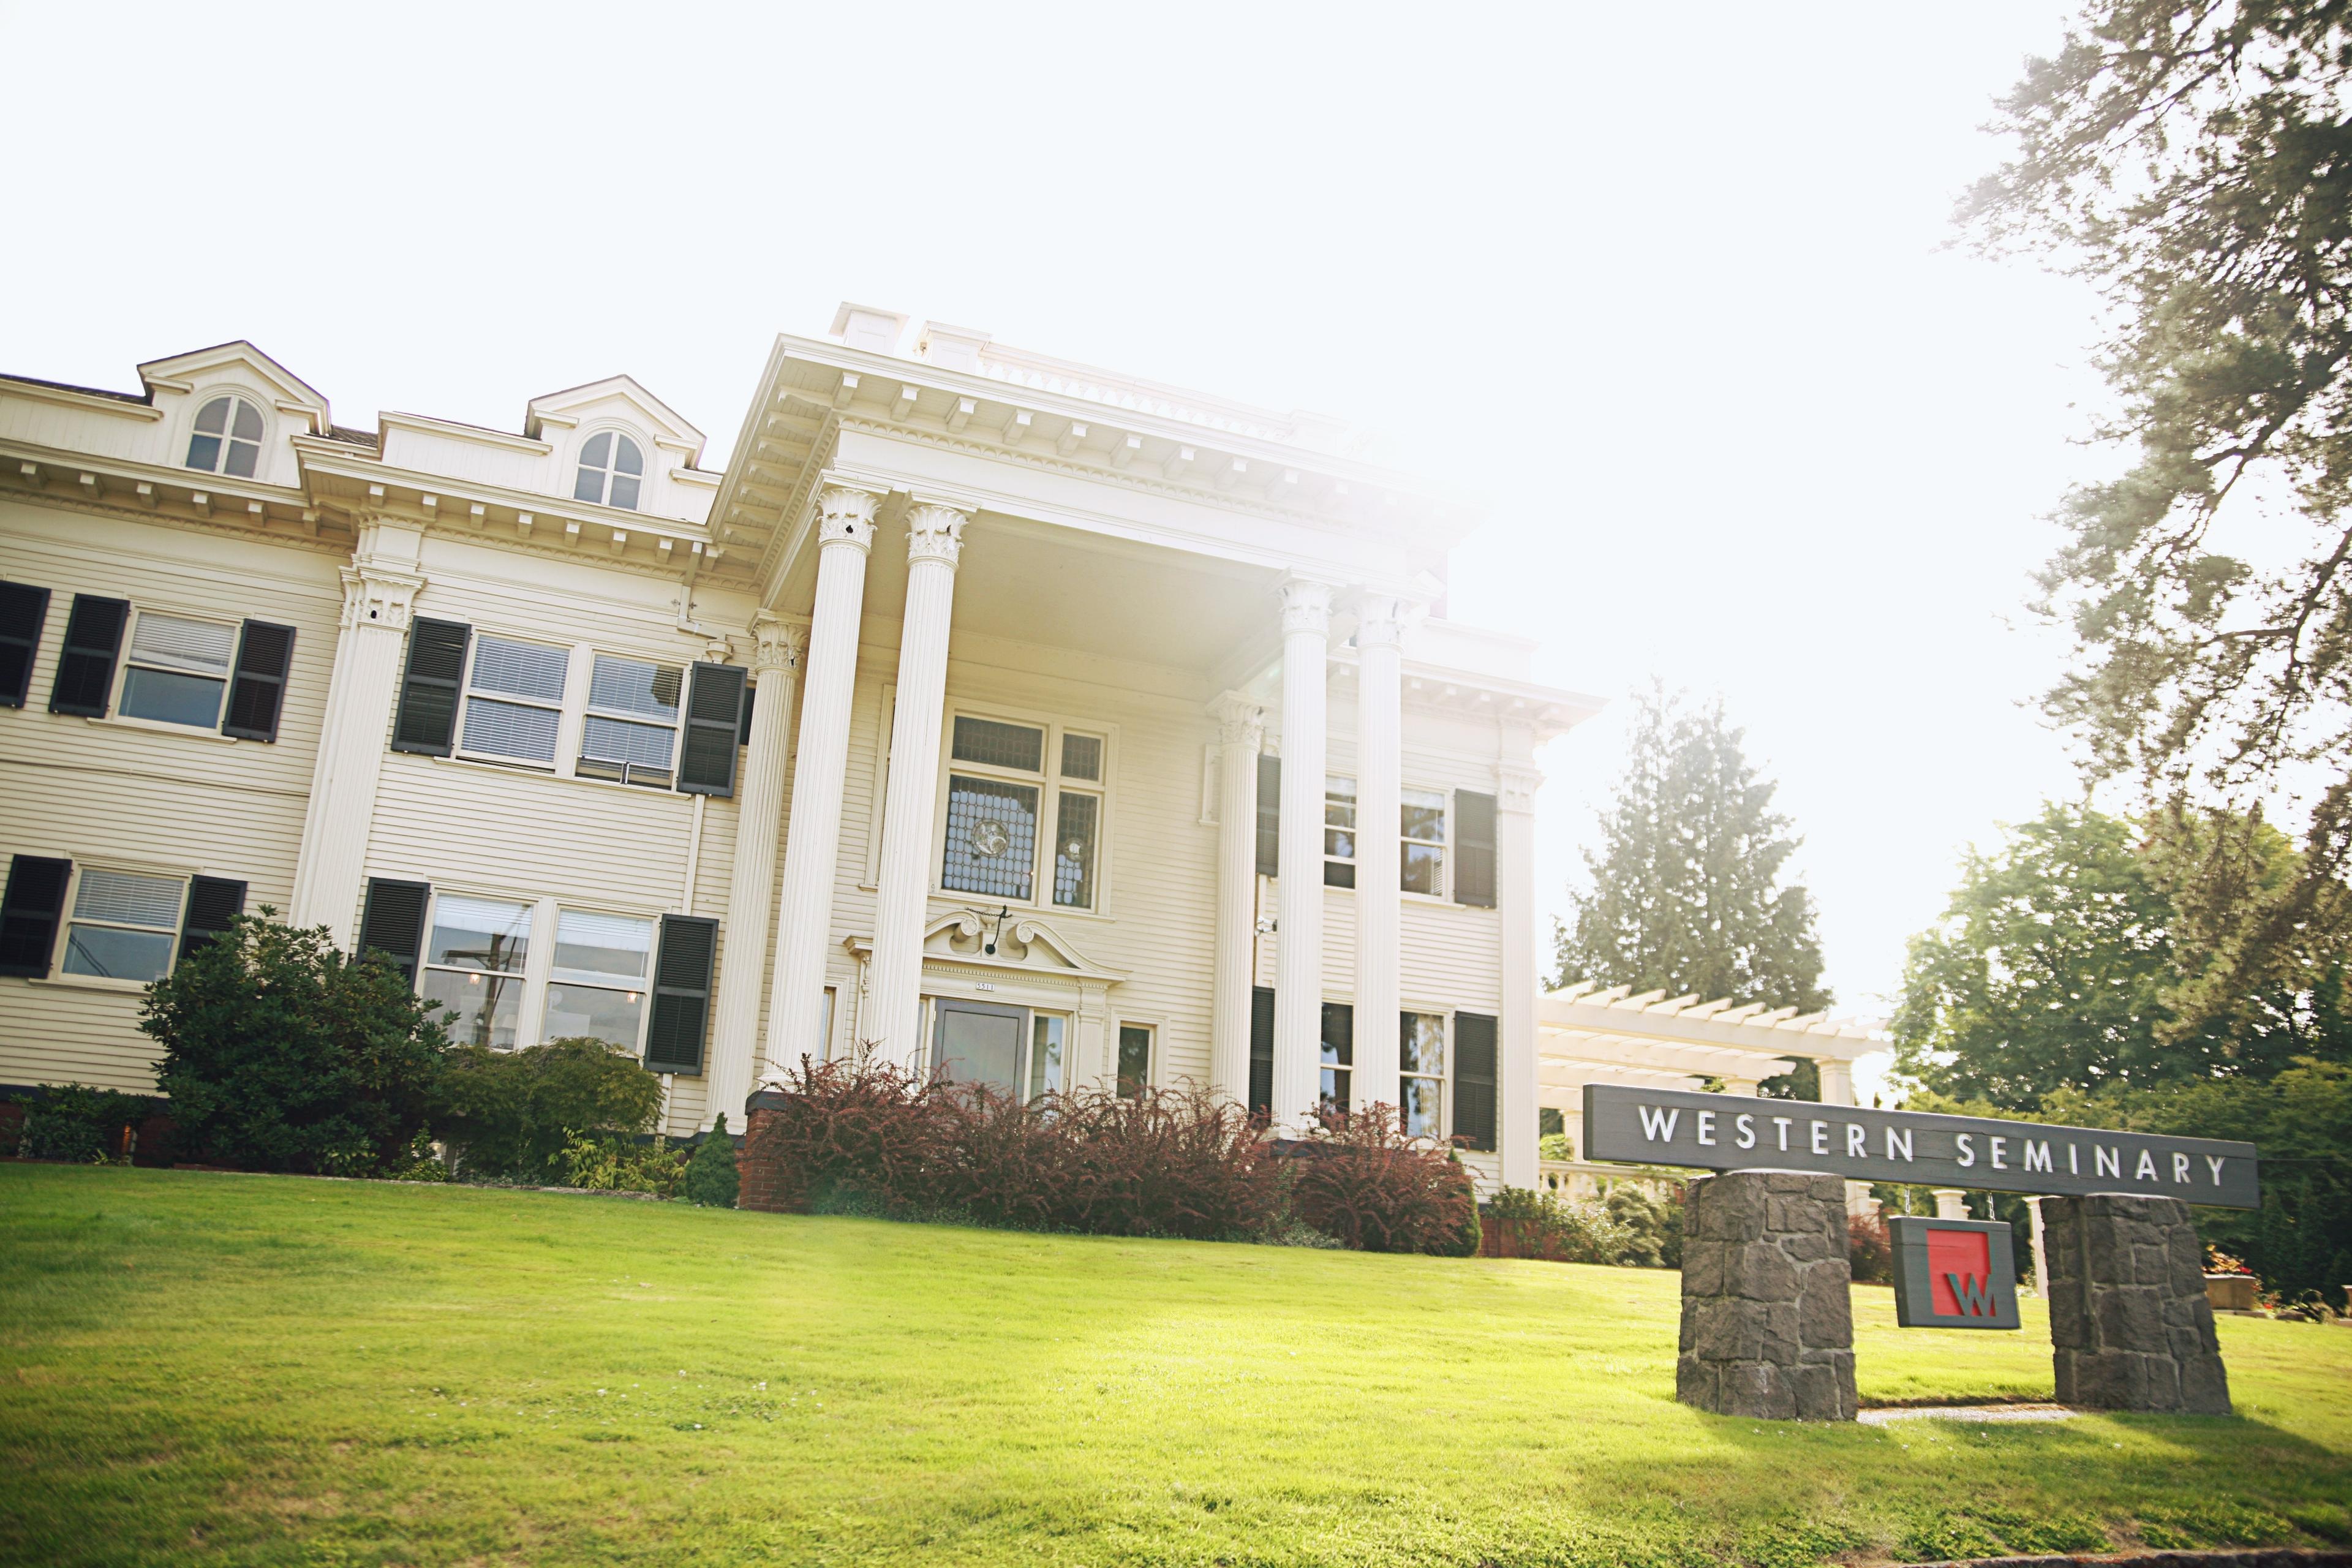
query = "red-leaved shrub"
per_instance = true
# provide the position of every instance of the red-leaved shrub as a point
(1870, 1251)
(868, 1136)
(1363, 1182)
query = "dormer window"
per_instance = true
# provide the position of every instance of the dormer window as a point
(227, 438)
(610, 468)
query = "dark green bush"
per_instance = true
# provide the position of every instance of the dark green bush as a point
(511, 1113)
(1655, 1226)
(72, 1122)
(279, 1054)
(710, 1178)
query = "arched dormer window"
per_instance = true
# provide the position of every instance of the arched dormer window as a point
(227, 439)
(609, 466)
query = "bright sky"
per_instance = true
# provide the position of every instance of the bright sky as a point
(1670, 289)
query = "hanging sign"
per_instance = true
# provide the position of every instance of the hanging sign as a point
(1954, 1273)
(1737, 1133)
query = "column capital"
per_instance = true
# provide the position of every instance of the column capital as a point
(1240, 722)
(1306, 606)
(845, 515)
(935, 531)
(1383, 619)
(1519, 785)
(380, 596)
(777, 643)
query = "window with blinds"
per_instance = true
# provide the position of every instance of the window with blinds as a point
(177, 669)
(597, 988)
(123, 925)
(514, 700)
(630, 733)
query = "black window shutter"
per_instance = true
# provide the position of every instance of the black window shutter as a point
(1261, 1084)
(1269, 815)
(1474, 848)
(427, 723)
(1474, 1079)
(29, 912)
(714, 718)
(392, 923)
(743, 730)
(86, 668)
(259, 693)
(212, 902)
(24, 611)
(682, 994)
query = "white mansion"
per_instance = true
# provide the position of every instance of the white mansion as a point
(1008, 718)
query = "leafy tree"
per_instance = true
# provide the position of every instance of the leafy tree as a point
(280, 1053)
(1685, 892)
(2194, 162)
(511, 1113)
(2057, 964)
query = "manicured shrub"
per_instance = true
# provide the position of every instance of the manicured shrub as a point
(279, 1054)
(850, 1134)
(511, 1113)
(1541, 1225)
(74, 1122)
(601, 1163)
(1361, 1179)
(710, 1178)
(1656, 1225)
(1166, 1162)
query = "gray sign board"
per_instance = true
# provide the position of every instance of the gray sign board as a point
(1737, 1133)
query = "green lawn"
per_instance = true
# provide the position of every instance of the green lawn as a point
(200, 1368)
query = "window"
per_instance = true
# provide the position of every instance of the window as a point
(1423, 852)
(227, 438)
(1339, 1054)
(611, 467)
(1421, 1069)
(514, 701)
(123, 925)
(994, 812)
(631, 733)
(177, 670)
(1134, 1060)
(1338, 831)
(474, 959)
(1046, 1031)
(598, 985)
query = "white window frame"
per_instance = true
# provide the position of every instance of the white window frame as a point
(563, 708)
(611, 470)
(205, 399)
(123, 666)
(67, 921)
(548, 977)
(537, 970)
(577, 751)
(1354, 831)
(1445, 1079)
(1151, 1027)
(1444, 847)
(1051, 786)
(533, 966)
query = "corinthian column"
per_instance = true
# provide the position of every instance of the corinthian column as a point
(380, 589)
(751, 885)
(1515, 906)
(812, 838)
(1298, 950)
(1380, 735)
(934, 540)
(1241, 731)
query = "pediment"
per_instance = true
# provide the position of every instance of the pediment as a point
(181, 372)
(1022, 944)
(615, 397)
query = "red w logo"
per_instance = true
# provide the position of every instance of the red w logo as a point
(1959, 1264)
(1975, 1296)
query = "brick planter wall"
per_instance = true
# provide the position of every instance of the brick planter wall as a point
(762, 1184)
(1766, 1330)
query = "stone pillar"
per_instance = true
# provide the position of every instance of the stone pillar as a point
(934, 543)
(1379, 739)
(379, 590)
(2130, 1326)
(1240, 731)
(1515, 905)
(812, 837)
(2041, 1257)
(1298, 940)
(1951, 1202)
(1768, 1330)
(736, 1060)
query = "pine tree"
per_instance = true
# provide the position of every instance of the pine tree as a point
(1686, 895)
(711, 1175)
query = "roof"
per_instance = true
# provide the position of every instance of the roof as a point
(137, 397)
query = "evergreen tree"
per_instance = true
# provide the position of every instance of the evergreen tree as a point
(1687, 894)
(711, 1175)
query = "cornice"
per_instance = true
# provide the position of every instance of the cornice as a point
(87, 402)
(143, 492)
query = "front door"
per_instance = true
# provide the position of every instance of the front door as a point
(978, 1042)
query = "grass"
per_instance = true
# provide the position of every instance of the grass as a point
(217, 1368)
